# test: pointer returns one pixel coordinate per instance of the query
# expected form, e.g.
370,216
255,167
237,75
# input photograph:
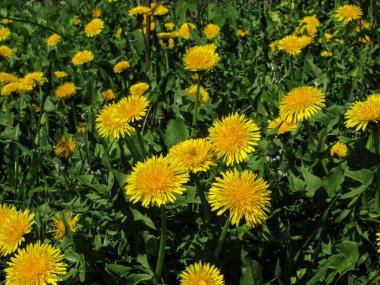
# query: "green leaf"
176,132
144,218
119,270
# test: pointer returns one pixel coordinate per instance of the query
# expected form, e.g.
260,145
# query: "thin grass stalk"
147,40
196,107
141,142
222,238
161,252
205,206
376,137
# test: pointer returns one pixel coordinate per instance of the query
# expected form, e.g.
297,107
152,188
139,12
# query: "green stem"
167,58
161,252
196,106
141,143
147,41
222,238
205,207
376,137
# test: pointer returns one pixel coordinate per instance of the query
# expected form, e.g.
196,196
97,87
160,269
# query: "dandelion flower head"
59,224
348,13
53,40
339,149
211,31
4,33
65,90
201,58
65,148
201,274
82,57
138,89
94,28
121,66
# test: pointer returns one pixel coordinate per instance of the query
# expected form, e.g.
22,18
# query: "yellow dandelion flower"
309,24
96,13
193,155
4,33
60,74
339,149
82,57
365,40
7,21
5,52
363,113
203,94
65,90
169,26
13,228
171,43
201,58
326,53
201,274
290,44
14,87
139,10
234,137
158,9
347,13
36,108
6,212
65,148
362,25
8,78
184,30
241,33
108,125
94,28
138,89
304,41
36,264
118,32
121,66
273,46
282,125
243,194
53,40
328,37
108,95
378,241
81,128
77,22
30,78
301,103
132,108
59,224
211,31
155,181
195,76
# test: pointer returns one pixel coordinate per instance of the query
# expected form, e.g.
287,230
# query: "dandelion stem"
141,142
205,207
147,40
161,252
196,106
222,238
376,136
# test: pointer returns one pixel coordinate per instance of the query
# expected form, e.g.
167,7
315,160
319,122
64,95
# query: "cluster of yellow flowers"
13,84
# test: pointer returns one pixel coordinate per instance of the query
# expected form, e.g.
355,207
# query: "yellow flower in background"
201,58
211,31
274,46
6,211
328,37
348,13
65,148
304,41
77,22
378,241
138,89
158,9
59,224
94,28
234,137
155,181
365,40
7,21
201,274
132,108
363,113
139,10
13,228
339,149
118,32
81,128
362,25
301,103
109,125
326,53
184,30
7,77
241,33
36,108
243,194
203,94
53,40
169,26
36,264
4,33
195,76
30,78
290,44
96,13
282,125
193,155
108,95
82,57
309,24
15,87
60,74
65,90
5,52
121,66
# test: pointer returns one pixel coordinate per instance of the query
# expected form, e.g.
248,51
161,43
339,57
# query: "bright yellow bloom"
7,21
362,25
339,149
81,128
108,95
158,9
301,103
169,26
184,30
243,194
234,137
241,33
304,41
139,10
203,94
118,32
96,13
121,66
201,274
193,155
82,57
65,90
15,87
326,53
5,52
273,46
378,241
309,24
6,212
37,264
15,225
211,31
194,76
201,58
59,224
290,44
363,113
138,89
155,181
365,40
328,37
94,28
77,22
7,77
282,125
53,40
36,108
30,78
347,13
65,148
132,108
60,74
4,33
